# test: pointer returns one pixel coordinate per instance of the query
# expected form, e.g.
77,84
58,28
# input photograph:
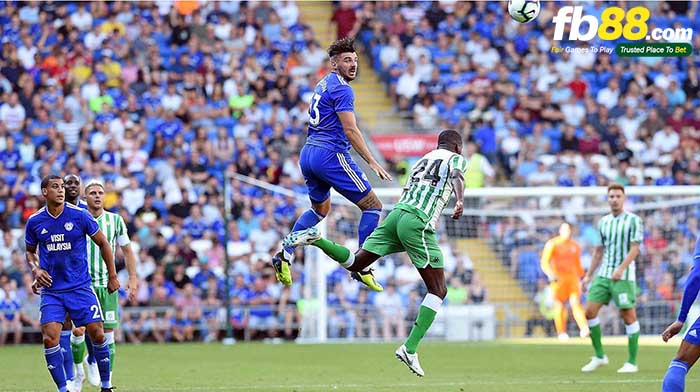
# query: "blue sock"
90,349
54,362
368,222
674,381
102,357
67,354
308,219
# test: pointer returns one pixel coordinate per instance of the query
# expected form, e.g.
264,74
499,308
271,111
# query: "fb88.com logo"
614,23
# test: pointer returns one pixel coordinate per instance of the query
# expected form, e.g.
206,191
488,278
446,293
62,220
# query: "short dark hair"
342,45
449,138
45,180
616,187
65,178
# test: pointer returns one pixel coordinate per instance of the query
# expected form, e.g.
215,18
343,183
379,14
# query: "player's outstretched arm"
358,143
457,179
106,252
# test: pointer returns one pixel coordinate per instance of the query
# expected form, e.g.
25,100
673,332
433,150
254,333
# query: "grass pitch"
518,365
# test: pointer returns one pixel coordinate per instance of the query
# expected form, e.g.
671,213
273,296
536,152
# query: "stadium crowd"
161,100
541,118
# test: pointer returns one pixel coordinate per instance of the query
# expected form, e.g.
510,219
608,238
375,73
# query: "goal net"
496,288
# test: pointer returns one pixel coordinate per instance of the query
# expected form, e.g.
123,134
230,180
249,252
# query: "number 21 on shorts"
95,311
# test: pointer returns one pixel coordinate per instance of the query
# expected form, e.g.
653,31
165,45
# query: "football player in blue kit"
55,238
325,160
689,351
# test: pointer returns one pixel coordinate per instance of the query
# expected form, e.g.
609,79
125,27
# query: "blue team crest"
68,226
364,177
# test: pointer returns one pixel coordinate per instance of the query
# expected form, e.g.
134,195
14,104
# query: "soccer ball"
523,11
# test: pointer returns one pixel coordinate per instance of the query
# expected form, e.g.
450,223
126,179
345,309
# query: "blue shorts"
324,169
692,336
81,304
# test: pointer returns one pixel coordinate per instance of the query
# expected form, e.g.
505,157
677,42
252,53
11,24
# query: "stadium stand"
159,100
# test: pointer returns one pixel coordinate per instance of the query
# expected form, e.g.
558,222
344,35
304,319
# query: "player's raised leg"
371,208
311,159
356,263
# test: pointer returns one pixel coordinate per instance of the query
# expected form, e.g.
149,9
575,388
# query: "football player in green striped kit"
114,228
621,233
410,228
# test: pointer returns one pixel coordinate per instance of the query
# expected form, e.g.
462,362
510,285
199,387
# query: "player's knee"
322,208
97,336
439,291
50,341
591,314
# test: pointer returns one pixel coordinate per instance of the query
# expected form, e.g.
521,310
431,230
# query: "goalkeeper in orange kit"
561,262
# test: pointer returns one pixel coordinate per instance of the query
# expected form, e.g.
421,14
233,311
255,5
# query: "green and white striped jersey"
114,228
617,233
428,188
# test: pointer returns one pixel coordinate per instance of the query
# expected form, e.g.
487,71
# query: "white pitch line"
341,387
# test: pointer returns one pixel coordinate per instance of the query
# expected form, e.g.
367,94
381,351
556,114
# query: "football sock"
77,346
368,222
632,341
103,362
336,252
426,315
308,219
596,337
90,349
67,354
54,362
674,380
109,337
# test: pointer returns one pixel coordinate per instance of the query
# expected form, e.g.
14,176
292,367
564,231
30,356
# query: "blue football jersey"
332,95
82,204
62,245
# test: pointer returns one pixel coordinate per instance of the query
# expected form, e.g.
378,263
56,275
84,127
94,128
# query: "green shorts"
404,231
110,307
623,292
